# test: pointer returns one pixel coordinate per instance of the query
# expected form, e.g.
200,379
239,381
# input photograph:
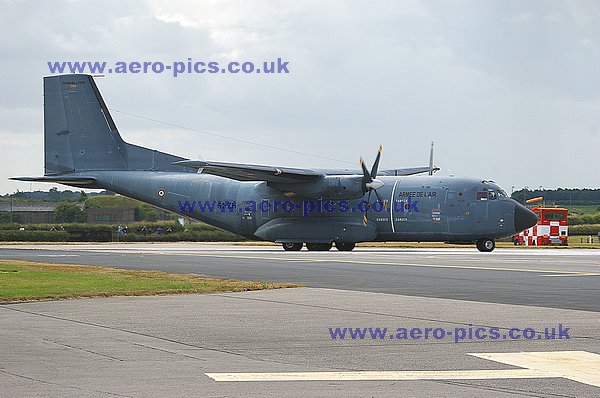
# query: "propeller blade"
380,200
376,163
371,183
366,175
367,207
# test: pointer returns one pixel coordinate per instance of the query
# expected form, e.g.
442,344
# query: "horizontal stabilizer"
252,172
76,181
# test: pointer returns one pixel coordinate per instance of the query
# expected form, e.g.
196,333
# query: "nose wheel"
486,245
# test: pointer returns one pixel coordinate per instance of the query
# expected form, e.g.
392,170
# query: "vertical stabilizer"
81,135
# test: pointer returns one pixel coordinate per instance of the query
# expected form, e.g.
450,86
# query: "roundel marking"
161,192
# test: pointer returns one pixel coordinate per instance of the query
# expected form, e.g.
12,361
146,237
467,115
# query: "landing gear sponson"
483,245
318,247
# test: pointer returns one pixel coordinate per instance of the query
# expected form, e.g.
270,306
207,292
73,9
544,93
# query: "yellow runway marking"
323,260
302,258
577,274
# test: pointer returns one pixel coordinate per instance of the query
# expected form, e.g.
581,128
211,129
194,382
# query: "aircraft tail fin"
81,135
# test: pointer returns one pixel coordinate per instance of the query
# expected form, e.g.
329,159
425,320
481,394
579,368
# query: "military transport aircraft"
291,206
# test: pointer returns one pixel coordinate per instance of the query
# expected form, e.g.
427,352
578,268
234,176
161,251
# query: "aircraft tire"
486,245
292,246
345,247
318,247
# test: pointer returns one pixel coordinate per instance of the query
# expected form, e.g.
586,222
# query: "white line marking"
580,366
382,375
392,207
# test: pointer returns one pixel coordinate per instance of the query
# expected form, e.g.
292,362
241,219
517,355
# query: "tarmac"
279,342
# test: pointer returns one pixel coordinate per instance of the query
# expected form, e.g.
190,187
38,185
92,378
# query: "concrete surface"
165,346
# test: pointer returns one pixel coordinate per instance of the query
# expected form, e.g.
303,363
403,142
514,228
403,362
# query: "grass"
583,209
24,281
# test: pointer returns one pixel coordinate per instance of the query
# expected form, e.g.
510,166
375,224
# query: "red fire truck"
552,227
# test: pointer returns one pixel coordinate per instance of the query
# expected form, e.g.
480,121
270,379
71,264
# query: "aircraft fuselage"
417,208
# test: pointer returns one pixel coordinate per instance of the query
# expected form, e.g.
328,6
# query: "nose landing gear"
486,245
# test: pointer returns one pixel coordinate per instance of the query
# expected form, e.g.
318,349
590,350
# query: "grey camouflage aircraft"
291,206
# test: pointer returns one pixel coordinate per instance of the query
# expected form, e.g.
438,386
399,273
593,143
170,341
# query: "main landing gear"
485,245
292,246
318,247
345,247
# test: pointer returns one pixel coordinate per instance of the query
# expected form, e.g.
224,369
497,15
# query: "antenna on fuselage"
431,160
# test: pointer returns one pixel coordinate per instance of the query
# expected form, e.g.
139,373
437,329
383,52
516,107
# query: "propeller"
370,182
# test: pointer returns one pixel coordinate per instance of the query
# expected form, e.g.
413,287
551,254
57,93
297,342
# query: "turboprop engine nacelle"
328,187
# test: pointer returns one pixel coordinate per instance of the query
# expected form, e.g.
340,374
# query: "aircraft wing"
253,172
407,171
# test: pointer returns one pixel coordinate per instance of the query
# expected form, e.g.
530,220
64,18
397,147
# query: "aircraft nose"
524,218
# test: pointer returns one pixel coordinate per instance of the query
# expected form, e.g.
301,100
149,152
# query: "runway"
280,343
556,278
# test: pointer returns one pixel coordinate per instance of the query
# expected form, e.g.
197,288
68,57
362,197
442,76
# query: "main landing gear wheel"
486,245
345,247
318,247
292,246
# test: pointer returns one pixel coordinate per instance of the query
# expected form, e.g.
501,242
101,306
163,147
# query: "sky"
508,90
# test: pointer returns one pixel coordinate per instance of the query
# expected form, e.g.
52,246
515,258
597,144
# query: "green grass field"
583,209
23,280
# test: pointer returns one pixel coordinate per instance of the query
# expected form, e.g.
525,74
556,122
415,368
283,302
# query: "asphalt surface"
192,345
558,278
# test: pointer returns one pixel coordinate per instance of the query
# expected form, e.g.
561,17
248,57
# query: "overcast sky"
508,90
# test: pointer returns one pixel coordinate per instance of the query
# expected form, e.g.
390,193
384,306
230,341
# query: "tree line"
560,196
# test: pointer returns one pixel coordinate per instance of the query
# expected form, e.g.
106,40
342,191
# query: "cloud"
496,84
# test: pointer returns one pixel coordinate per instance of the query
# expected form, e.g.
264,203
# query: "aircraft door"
479,210
264,209
457,213
248,222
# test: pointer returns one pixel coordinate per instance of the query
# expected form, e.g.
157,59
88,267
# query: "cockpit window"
491,194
